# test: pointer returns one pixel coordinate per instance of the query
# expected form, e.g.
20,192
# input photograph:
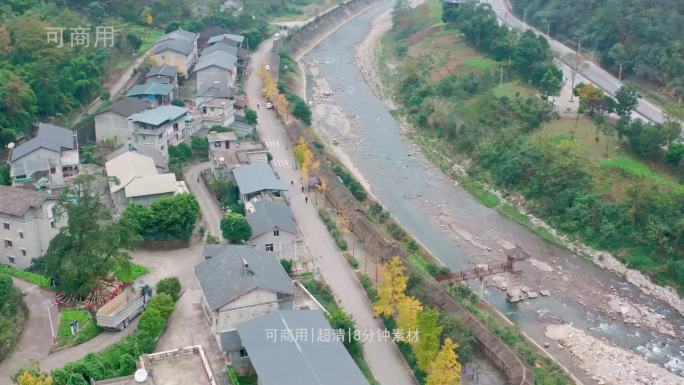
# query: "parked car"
269,105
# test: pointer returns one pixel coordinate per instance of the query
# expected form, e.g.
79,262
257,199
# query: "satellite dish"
10,145
140,375
221,159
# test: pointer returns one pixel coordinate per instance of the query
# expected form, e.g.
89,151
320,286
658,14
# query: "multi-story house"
27,224
112,122
159,127
52,154
177,48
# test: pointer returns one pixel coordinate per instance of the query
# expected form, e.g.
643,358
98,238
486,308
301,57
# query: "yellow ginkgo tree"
445,369
28,377
392,288
408,310
305,158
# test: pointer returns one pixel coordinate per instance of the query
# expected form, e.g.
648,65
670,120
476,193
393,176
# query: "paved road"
36,340
593,72
209,209
384,359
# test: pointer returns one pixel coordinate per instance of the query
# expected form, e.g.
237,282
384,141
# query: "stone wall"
302,39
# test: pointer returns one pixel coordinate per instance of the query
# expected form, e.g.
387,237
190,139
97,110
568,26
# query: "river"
459,231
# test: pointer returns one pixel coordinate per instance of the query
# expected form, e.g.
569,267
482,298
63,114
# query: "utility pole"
548,28
525,17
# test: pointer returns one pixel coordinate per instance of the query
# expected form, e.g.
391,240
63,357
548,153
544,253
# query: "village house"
137,180
221,141
215,104
166,74
257,181
240,283
49,160
159,127
112,123
158,158
274,229
28,224
293,347
227,38
177,48
156,94
216,67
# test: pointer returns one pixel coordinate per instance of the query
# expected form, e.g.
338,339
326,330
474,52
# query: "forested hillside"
647,34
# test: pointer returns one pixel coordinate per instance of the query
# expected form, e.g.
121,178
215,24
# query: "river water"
419,195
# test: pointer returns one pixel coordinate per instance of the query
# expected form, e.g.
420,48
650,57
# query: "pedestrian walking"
306,199
197,179
257,106
292,182
302,188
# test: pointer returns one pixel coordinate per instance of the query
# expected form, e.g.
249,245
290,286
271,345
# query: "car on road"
118,313
268,67
269,105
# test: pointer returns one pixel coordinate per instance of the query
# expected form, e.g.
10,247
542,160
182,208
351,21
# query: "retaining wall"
304,38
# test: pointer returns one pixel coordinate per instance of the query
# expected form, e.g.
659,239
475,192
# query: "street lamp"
548,28
48,304
620,65
525,17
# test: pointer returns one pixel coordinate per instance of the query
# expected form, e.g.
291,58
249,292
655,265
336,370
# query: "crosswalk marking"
272,144
280,162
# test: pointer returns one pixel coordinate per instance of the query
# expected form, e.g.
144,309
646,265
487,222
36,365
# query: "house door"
227,143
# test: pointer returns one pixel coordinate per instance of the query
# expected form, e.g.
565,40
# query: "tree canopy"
235,228
167,218
91,245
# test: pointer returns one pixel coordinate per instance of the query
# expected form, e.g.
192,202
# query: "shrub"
395,231
353,262
170,286
287,265
34,278
367,286
200,147
178,103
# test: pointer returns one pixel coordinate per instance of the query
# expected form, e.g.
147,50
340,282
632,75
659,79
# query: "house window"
276,233
217,144
23,252
8,243
6,226
175,126
21,235
243,353
11,260
161,135
269,247
53,224
52,170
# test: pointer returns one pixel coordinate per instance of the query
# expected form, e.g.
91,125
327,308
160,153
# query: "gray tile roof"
179,34
17,201
165,70
177,45
268,216
223,278
217,58
222,47
159,115
310,360
257,177
127,107
156,155
150,88
49,136
226,36
214,90
242,129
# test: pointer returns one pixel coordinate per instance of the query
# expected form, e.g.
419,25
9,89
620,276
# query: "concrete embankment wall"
304,38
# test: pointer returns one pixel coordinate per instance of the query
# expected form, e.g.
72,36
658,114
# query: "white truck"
120,311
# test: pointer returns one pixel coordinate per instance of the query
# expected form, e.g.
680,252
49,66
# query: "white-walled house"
112,122
27,224
137,180
240,283
159,127
274,229
52,154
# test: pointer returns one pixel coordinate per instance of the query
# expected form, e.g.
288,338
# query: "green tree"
235,228
200,147
169,217
18,105
134,41
250,116
528,52
427,346
5,178
287,265
170,286
91,245
178,103
674,154
627,100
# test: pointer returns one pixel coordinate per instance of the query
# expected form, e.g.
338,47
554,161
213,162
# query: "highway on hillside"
591,71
